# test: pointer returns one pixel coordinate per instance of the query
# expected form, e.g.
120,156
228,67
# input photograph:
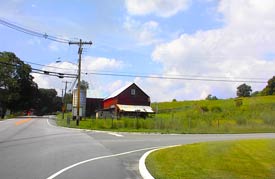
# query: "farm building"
93,105
127,101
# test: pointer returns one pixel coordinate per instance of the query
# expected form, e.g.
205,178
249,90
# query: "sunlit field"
253,115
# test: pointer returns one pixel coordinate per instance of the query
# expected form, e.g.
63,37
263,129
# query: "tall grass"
256,114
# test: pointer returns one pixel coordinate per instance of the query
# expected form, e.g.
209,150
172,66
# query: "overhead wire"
182,77
33,33
171,77
44,72
178,78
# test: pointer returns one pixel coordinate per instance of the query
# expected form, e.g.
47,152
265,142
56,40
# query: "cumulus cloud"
101,64
145,33
237,50
162,8
89,64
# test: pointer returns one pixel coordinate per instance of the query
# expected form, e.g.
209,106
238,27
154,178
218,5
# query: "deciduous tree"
16,83
270,87
244,90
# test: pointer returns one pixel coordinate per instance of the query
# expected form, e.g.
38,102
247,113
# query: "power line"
44,72
54,67
201,78
32,32
179,78
55,75
110,73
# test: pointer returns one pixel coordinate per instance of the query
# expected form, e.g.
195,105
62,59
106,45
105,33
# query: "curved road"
33,148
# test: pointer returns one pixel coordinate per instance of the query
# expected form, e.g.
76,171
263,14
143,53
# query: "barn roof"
117,92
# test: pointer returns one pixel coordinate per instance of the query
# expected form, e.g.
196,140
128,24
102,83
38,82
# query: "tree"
16,83
210,97
84,85
270,87
47,102
244,90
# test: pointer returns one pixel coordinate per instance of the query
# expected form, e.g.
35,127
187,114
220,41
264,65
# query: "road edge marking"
142,167
105,132
96,158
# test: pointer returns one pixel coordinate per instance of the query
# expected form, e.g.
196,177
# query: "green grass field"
256,114
244,159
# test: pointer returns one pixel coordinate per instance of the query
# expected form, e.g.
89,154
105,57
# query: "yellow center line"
23,121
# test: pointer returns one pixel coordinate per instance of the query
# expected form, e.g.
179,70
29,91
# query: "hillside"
255,114
248,115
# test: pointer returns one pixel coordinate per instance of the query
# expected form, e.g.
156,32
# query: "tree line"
18,91
245,90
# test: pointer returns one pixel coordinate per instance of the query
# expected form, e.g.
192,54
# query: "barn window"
133,91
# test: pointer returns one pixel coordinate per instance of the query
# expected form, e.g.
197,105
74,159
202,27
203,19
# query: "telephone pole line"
80,49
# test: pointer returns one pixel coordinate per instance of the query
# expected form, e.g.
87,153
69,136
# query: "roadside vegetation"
247,159
244,115
19,94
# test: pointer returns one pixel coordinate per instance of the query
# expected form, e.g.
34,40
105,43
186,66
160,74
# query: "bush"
204,109
216,109
238,102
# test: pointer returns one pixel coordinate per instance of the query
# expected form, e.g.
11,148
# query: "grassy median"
243,159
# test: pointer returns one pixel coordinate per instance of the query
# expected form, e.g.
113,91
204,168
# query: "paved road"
32,148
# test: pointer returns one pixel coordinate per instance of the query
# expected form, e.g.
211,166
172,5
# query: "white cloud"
89,64
101,64
237,50
145,33
162,8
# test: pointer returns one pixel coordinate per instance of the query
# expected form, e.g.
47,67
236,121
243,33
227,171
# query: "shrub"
204,109
239,102
216,109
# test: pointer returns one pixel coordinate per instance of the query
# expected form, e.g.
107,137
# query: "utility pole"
80,43
64,107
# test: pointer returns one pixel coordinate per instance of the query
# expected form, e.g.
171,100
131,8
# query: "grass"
255,115
244,159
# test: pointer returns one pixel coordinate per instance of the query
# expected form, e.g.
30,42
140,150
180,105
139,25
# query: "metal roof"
134,108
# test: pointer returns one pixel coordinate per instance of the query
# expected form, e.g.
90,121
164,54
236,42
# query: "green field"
244,159
256,114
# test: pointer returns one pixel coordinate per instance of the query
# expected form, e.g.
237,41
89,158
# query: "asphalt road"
33,148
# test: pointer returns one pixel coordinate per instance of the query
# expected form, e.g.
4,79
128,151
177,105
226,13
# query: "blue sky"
225,39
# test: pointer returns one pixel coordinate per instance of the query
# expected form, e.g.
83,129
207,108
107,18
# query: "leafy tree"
84,85
47,102
16,83
244,90
270,87
210,97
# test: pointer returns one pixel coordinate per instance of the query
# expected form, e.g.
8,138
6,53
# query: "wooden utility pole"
64,107
80,43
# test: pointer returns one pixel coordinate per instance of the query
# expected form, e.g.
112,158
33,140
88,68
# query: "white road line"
110,133
142,167
50,123
8,120
115,134
97,158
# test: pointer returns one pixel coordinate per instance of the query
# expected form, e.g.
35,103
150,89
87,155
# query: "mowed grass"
243,159
255,115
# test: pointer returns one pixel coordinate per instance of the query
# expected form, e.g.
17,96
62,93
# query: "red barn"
129,100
